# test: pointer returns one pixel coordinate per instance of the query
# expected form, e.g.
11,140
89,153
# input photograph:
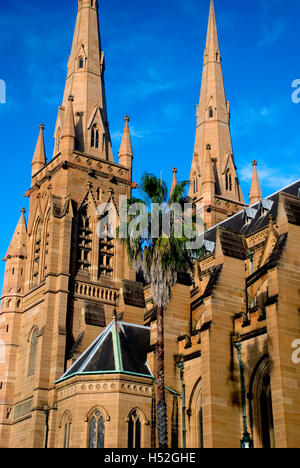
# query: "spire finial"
126,153
174,181
39,157
212,41
255,192
17,247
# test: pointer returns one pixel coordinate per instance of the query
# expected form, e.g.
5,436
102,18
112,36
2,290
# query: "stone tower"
85,81
213,176
62,282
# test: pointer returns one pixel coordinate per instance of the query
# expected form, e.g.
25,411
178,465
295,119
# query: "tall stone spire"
85,81
255,192
39,157
213,126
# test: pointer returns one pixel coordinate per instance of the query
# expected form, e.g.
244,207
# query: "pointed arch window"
228,181
46,248
106,248
33,351
84,246
95,136
58,140
37,253
134,430
196,411
211,113
80,63
260,390
66,427
195,183
97,430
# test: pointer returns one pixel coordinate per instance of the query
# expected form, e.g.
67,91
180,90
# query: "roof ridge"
250,206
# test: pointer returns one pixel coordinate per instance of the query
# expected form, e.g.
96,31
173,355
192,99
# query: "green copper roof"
120,349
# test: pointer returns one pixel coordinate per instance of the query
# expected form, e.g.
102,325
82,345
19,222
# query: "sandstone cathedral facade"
73,374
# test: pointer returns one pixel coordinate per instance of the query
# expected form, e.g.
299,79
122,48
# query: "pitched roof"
121,349
269,206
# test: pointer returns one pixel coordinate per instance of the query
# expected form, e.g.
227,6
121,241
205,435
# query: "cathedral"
77,327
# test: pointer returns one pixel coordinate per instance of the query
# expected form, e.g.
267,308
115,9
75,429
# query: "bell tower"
85,82
213,176
63,281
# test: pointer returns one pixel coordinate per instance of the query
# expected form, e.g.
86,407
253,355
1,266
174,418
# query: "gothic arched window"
37,253
106,249
96,430
228,181
195,183
58,140
211,113
80,62
263,410
46,247
134,430
84,246
33,339
66,427
95,136
196,413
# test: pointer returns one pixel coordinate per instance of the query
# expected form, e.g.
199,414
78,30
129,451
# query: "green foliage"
163,256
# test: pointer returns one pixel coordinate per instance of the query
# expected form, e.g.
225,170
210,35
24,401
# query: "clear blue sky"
154,56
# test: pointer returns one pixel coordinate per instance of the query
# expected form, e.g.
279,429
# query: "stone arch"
65,426
261,409
36,250
137,422
195,413
101,409
66,415
33,341
97,419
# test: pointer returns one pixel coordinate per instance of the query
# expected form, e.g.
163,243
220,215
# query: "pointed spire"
85,81
17,247
174,181
39,157
213,124
255,192
68,133
212,52
125,153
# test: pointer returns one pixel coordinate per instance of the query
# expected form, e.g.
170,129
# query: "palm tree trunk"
161,395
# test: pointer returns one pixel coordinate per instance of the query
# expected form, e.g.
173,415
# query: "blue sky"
154,56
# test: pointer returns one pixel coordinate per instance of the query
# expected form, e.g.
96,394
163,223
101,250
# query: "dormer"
265,206
249,214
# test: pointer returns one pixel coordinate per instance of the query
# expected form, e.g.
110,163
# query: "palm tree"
160,259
